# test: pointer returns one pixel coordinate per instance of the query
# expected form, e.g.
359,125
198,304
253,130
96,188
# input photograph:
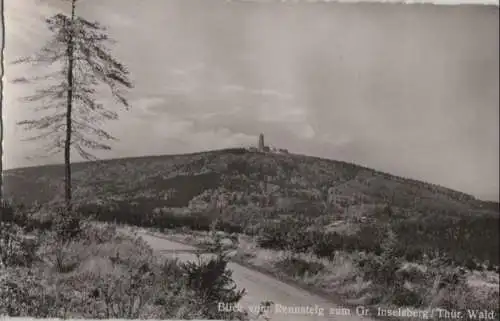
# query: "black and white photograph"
251,160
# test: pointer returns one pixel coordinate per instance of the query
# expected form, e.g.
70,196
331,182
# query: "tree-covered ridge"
306,178
252,192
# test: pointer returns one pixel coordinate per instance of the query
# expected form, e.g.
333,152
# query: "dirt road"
289,303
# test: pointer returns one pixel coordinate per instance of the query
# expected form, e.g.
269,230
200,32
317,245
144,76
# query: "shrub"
99,234
125,288
228,227
209,283
406,297
193,221
299,267
6,212
16,248
378,269
63,256
25,292
327,244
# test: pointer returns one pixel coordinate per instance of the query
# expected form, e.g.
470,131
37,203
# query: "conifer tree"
72,115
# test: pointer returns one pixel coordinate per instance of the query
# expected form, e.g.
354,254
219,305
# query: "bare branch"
84,154
24,80
43,123
86,127
52,135
50,105
87,143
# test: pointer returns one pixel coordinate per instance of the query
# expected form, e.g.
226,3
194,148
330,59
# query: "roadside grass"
101,272
357,278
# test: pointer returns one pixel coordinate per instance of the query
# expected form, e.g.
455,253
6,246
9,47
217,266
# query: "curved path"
260,287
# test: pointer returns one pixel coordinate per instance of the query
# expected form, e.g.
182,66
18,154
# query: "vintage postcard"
283,160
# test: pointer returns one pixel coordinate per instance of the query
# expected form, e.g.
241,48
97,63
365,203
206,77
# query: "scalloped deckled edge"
2,318
434,2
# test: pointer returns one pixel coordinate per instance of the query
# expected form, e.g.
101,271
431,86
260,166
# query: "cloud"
144,104
215,104
258,92
411,90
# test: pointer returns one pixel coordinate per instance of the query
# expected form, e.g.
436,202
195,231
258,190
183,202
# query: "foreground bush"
28,292
209,282
101,273
297,267
16,248
432,284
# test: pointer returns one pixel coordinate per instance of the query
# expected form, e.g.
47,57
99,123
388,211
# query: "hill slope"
300,177
254,190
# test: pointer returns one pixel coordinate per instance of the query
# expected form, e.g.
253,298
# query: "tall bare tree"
78,48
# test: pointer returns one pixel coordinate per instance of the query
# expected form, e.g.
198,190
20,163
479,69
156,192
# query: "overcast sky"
408,89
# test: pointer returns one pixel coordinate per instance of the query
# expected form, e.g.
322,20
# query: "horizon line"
476,197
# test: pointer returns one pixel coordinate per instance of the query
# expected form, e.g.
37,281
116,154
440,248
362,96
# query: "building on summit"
261,145
262,148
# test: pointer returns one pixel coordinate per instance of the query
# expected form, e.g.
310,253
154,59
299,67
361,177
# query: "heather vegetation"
69,268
